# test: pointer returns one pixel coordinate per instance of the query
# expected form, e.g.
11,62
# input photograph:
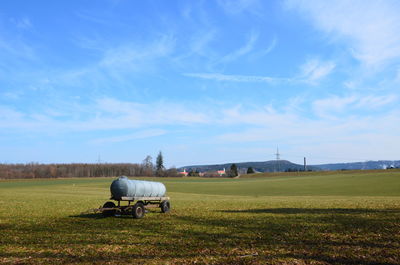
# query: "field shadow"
222,237
309,235
88,215
312,211
100,215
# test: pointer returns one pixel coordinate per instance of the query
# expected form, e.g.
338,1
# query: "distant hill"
266,166
380,164
284,165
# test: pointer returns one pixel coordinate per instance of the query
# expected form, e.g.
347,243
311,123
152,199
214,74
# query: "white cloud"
128,137
247,48
265,125
373,102
370,28
397,78
200,42
352,137
234,78
311,72
9,114
263,116
116,64
335,105
12,95
314,70
95,18
132,56
270,47
103,114
324,107
12,49
235,7
22,23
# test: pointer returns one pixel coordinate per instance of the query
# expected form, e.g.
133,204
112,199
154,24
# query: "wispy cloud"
16,49
156,113
94,18
116,64
397,78
335,105
311,72
325,107
199,43
103,114
247,48
128,137
370,28
374,102
314,70
235,7
22,23
234,78
12,95
317,138
346,139
129,75
130,56
268,49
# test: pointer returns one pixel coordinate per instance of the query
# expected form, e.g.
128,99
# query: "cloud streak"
247,48
362,137
103,114
235,78
235,7
333,106
314,70
311,72
370,28
129,137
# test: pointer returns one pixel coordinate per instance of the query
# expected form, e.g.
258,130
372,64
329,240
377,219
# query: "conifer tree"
160,164
250,170
234,171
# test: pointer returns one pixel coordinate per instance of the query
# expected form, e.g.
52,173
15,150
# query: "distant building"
184,173
221,172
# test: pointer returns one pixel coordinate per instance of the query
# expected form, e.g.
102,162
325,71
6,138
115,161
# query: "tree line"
78,170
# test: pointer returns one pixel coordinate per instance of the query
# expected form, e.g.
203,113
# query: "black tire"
108,213
165,206
138,210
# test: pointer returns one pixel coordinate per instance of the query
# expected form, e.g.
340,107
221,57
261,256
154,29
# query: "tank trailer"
146,194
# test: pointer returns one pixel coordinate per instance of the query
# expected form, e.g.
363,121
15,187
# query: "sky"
204,82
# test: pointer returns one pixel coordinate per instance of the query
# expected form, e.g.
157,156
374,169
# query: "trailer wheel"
165,206
138,210
108,213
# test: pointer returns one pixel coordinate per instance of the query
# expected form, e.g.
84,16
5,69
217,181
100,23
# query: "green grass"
308,218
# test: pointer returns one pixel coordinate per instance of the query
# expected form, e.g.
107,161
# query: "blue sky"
203,81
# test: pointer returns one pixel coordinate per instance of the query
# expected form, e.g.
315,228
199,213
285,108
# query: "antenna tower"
278,157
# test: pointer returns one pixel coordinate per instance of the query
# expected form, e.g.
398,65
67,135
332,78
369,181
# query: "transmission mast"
278,158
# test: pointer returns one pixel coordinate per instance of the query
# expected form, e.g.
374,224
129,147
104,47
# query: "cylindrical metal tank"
124,187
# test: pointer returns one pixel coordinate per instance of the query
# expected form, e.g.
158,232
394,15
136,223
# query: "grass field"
291,218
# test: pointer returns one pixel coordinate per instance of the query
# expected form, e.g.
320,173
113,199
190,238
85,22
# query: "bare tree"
148,166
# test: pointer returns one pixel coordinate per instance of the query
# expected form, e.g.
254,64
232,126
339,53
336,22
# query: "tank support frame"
145,202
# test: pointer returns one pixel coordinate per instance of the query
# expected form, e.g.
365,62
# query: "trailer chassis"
136,206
